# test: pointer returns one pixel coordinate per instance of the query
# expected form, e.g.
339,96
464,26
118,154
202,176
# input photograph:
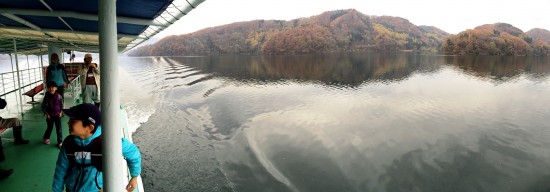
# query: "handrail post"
13,76
18,76
29,69
34,72
41,71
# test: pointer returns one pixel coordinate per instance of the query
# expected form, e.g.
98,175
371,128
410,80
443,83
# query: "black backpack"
94,147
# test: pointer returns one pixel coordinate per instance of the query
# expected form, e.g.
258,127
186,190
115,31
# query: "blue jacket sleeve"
133,157
61,169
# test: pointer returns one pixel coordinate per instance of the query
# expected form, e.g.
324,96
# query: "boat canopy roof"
73,24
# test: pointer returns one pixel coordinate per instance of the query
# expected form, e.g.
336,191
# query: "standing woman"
89,78
56,73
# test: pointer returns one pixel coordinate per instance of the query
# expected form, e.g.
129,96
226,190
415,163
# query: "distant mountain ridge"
348,31
538,33
331,31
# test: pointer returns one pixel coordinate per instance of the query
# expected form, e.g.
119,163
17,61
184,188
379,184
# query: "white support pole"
35,76
3,85
41,70
28,69
18,79
113,178
41,58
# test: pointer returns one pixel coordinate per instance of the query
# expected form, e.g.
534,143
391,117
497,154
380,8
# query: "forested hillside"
497,39
332,31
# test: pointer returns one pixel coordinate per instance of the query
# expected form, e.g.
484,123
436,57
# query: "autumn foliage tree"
310,39
331,31
494,39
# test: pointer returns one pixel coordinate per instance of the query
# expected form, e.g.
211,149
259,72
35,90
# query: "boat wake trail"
265,162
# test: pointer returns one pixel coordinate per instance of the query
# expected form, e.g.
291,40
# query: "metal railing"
29,79
75,88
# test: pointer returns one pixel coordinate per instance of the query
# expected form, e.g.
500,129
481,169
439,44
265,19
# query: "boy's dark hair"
51,84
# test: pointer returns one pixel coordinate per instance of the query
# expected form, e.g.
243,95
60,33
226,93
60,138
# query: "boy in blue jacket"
79,162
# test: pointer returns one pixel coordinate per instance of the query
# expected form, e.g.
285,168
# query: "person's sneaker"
5,173
21,142
59,145
47,141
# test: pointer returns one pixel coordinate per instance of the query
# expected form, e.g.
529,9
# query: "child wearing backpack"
52,106
79,162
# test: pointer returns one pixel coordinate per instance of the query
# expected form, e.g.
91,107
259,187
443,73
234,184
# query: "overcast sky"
450,16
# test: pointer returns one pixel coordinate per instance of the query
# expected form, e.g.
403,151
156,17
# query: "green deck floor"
33,163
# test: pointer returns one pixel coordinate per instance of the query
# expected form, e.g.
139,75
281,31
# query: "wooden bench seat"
31,93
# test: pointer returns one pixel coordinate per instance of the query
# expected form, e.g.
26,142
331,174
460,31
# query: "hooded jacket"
52,104
56,73
85,177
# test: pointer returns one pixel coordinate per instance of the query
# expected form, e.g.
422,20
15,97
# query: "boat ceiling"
73,24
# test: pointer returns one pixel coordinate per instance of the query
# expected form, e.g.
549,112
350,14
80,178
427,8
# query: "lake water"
368,122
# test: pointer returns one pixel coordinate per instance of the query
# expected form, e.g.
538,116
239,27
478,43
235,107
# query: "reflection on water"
339,70
372,122
502,69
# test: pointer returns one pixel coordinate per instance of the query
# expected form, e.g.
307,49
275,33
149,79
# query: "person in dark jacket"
17,129
52,106
56,73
